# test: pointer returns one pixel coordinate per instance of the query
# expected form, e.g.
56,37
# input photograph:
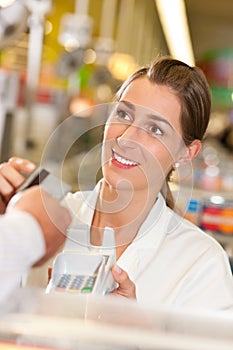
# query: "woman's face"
142,137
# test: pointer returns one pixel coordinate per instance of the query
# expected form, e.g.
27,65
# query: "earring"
176,165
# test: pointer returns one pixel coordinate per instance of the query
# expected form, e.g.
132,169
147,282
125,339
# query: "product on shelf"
217,218
214,214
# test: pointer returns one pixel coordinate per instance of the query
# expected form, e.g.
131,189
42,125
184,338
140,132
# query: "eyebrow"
150,115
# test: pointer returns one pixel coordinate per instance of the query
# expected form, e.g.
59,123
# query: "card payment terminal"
84,268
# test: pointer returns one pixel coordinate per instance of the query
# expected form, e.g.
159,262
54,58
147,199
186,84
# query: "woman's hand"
126,287
11,178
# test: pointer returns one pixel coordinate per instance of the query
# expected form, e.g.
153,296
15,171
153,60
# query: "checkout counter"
32,319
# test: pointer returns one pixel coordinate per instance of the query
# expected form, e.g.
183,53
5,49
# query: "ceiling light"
121,65
175,26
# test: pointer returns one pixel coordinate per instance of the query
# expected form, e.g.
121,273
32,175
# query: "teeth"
123,160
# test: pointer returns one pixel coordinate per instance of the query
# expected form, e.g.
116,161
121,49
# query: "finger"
126,286
22,165
6,189
11,175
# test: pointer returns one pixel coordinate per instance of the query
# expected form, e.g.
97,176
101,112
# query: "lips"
122,162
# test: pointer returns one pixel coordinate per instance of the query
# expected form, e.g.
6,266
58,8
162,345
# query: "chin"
119,183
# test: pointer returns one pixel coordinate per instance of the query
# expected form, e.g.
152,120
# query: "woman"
158,121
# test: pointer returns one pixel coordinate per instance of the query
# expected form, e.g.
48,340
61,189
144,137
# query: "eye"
121,114
155,130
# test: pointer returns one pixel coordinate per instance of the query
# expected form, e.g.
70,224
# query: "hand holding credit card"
50,183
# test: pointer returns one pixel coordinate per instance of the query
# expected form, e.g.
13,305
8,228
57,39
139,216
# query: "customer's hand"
51,216
11,178
126,287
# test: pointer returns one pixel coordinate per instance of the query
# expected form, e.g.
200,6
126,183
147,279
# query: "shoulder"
192,236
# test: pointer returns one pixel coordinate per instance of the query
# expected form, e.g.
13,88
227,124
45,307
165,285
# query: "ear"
190,152
194,149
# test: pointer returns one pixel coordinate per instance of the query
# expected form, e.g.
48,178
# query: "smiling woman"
159,118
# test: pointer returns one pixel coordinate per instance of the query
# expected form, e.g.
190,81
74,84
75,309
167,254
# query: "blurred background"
58,58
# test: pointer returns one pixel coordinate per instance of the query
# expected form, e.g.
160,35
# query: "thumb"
126,286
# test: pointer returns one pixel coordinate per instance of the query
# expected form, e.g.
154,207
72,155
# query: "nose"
129,137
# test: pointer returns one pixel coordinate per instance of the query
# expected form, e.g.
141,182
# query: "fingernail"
19,161
117,269
30,166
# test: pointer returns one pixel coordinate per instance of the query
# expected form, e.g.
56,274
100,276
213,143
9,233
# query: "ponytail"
167,193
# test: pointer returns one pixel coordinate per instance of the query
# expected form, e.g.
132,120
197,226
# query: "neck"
123,210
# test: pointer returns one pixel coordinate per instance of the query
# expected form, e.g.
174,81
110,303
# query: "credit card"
50,183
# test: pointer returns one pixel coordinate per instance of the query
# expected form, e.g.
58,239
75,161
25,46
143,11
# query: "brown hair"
191,87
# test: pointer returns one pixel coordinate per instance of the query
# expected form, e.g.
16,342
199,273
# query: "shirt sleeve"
21,245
